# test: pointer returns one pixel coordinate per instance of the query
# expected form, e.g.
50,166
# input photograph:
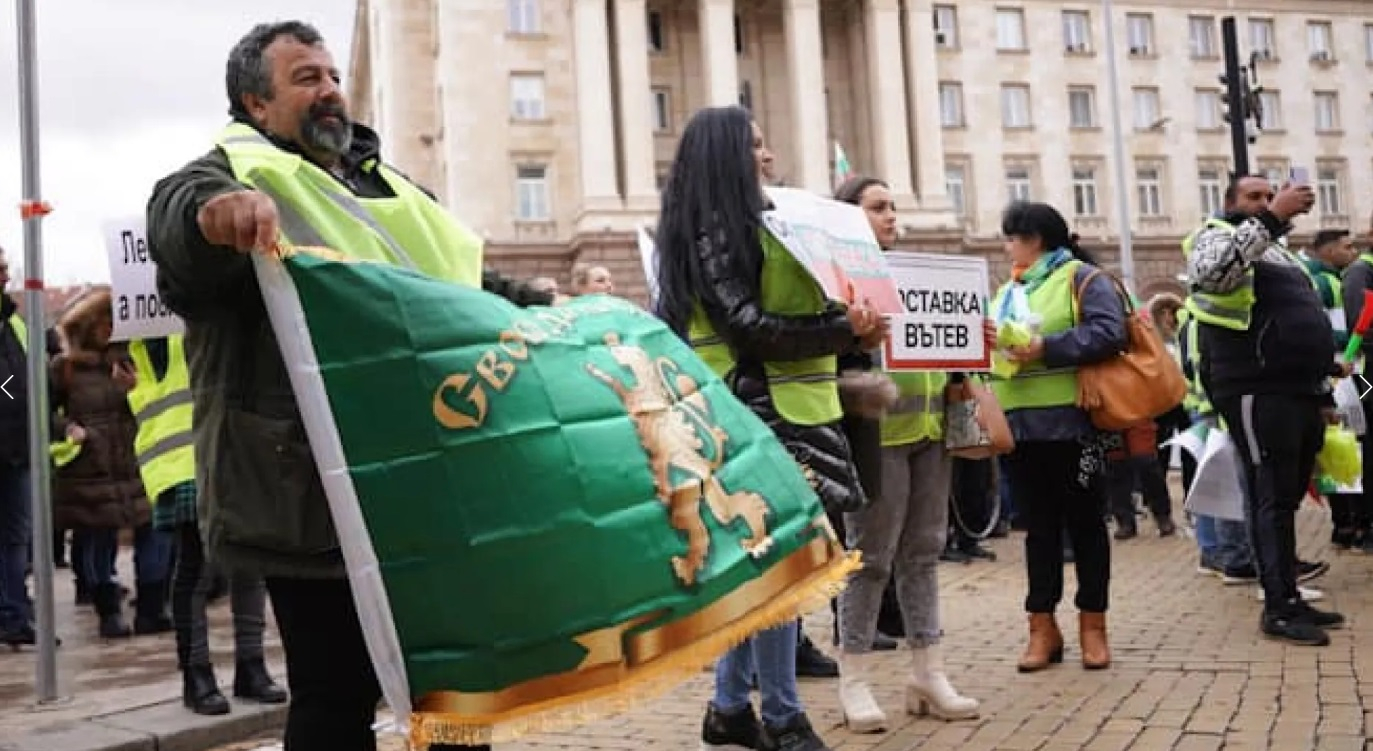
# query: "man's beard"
323,137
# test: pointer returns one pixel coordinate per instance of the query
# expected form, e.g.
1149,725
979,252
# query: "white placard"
138,312
648,256
943,306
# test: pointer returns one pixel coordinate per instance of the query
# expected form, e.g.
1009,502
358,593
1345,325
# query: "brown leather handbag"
1135,386
975,426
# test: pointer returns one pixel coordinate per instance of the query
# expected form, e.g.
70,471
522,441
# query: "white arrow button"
6,383
1367,387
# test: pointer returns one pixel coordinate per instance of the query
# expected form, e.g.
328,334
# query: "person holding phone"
1267,356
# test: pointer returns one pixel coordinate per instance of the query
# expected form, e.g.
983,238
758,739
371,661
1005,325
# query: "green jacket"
239,381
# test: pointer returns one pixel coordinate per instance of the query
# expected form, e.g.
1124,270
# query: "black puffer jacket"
755,336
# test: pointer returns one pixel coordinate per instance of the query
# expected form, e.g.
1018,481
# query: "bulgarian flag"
547,514
842,169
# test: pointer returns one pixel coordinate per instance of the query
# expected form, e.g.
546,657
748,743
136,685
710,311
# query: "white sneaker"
1308,594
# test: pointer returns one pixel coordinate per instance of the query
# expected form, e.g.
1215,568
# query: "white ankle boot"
861,712
929,691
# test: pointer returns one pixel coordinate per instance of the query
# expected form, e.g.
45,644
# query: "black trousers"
1123,475
334,690
1277,437
1057,486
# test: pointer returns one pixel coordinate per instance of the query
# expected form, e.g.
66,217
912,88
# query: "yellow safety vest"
65,451
1232,310
21,331
166,453
1196,401
1035,386
409,230
918,414
805,392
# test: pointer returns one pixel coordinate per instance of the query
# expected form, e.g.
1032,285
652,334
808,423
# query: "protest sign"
943,304
138,312
648,256
834,241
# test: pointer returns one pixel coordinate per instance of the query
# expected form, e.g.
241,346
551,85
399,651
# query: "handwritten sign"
834,241
943,305
138,313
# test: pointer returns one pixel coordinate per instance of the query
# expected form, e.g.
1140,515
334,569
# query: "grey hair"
248,70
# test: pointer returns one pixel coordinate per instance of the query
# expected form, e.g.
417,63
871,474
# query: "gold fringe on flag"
623,671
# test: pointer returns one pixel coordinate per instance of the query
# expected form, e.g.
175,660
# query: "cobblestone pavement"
1191,671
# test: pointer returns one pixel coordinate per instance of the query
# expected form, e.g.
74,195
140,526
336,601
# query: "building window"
1201,36
946,27
1010,29
746,96
1139,34
1328,190
1077,31
1262,39
531,193
1084,191
1146,108
1212,191
661,176
522,16
1081,107
1149,186
955,183
1208,109
1368,43
1015,106
1327,111
657,41
738,35
951,105
1276,173
527,96
1319,41
1270,110
662,110
1019,183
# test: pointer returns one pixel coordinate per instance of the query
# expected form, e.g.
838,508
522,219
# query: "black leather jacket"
755,336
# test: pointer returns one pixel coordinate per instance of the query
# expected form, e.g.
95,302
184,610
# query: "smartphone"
1301,176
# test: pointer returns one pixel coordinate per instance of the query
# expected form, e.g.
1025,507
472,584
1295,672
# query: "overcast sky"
129,91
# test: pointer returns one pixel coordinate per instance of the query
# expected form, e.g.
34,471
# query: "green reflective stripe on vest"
1034,386
21,331
918,414
409,229
164,444
1232,310
804,392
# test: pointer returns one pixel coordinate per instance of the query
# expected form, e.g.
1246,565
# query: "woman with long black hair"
1056,470
758,319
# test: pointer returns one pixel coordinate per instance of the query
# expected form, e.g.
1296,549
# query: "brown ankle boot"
1046,644
1096,654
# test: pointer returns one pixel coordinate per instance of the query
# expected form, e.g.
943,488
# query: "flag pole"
32,210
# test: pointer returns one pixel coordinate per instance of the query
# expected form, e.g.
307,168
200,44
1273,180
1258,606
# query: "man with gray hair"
292,163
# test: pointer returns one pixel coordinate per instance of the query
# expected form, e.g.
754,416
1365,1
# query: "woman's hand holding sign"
869,326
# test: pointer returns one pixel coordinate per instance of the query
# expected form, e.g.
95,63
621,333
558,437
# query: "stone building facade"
548,125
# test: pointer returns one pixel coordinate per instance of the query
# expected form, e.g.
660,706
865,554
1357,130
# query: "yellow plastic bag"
1009,334
1340,458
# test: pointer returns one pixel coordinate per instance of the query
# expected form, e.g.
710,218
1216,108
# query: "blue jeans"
773,652
1225,542
16,530
152,555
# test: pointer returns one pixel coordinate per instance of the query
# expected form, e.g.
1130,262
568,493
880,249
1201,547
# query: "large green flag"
546,513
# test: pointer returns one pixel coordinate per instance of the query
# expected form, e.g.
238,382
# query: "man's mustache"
321,111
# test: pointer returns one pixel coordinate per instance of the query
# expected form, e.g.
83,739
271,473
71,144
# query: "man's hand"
124,375
1292,201
874,339
1346,368
76,433
244,220
1028,353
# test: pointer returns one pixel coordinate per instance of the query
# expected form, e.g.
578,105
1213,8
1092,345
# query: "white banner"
138,313
648,256
943,306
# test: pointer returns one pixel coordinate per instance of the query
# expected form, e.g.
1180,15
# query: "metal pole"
46,679
1234,95
1127,249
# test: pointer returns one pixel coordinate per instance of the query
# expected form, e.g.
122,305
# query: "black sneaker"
1295,628
1245,574
1321,618
1308,570
1209,567
1126,533
812,663
739,731
974,550
797,735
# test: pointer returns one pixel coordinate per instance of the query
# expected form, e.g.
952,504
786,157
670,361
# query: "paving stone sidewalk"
1191,674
